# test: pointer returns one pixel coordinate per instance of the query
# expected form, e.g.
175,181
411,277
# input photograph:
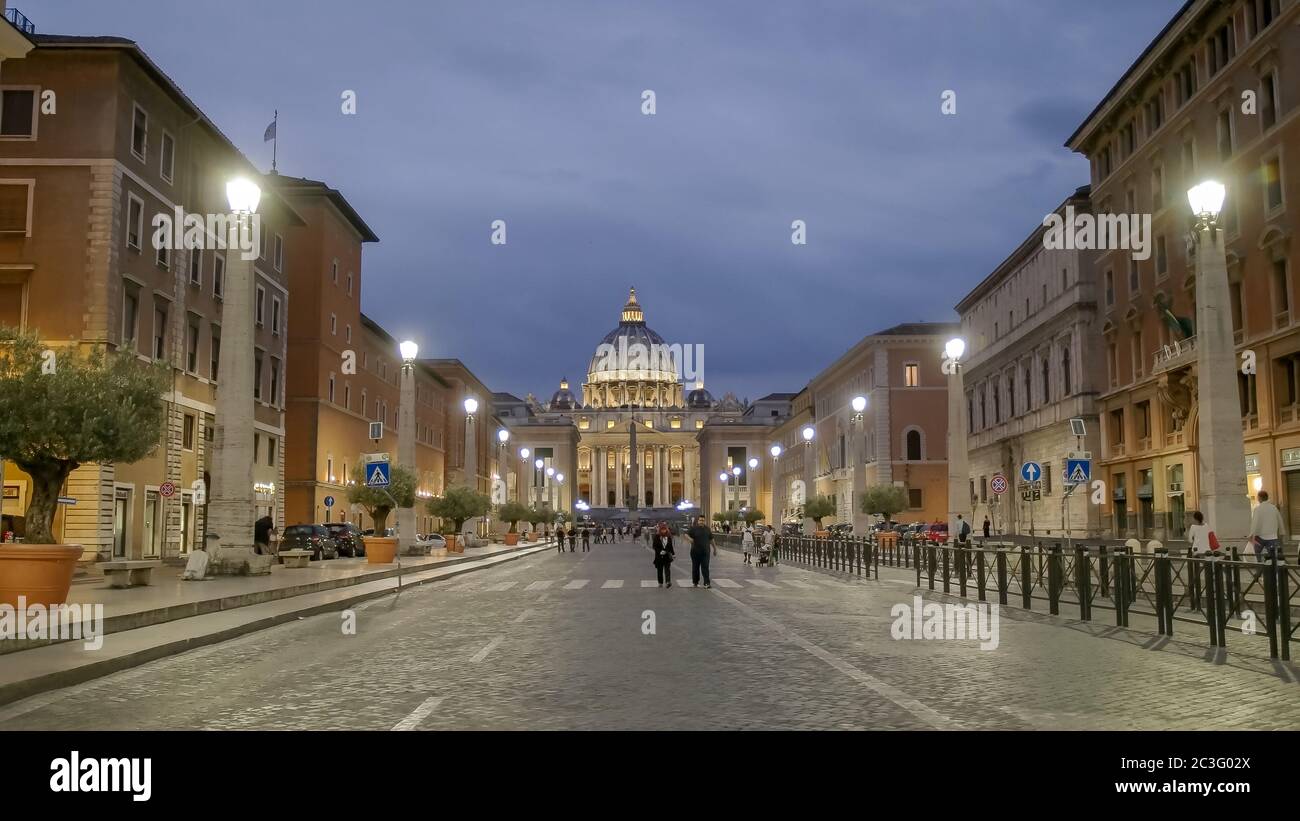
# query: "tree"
752,515
378,502
565,516
459,504
818,508
884,500
513,513
719,517
540,515
62,409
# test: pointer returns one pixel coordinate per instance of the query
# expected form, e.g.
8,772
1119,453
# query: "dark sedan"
310,537
347,537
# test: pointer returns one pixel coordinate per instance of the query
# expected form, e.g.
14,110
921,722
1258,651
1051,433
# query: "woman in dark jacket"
662,544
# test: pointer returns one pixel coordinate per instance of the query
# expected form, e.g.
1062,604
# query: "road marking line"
612,583
760,582
649,583
419,714
881,688
523,615
830,583
497,588
726,583
539,585
900,581
482,654
577,584
797,583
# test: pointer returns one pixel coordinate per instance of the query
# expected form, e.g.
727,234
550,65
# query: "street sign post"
1078,471
378,474
329,501
999,484
167,490
1031,471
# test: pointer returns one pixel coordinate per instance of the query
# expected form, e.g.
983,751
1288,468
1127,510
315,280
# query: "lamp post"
749,482
519,480
559,492
471,450
503,436
406,439
230,503
778,500
735,489
809,474
958,472
857,436
1222,467
550,489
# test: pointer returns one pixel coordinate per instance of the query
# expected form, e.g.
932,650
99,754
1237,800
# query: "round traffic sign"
329,501
166,489
1031,471
999,483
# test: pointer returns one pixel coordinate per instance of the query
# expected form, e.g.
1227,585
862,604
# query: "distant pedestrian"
662,545
701,539
559,538
963,530
586,539
263,529
648,534
1203,541
769,545
1266,528
573,539
988,527
747,543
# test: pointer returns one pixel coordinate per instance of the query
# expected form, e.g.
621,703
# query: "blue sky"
767,112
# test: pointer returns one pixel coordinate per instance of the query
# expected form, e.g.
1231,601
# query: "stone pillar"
231,506
688,475
471,459
861,521
1222,467
958,471
809,482
661,464
636,468
406,452
618,477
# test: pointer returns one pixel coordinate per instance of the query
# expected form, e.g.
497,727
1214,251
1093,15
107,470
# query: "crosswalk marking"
539,585
760,582
649,583
497,588
577,584
612,583
797,583
831,582
726,583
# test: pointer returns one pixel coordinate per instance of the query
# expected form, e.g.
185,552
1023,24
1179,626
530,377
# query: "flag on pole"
270,132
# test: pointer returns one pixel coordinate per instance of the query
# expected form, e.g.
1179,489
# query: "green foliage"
564,516
885,500
719,517
375,501
512,513
459,504
93,406
540,515
752,515
818,508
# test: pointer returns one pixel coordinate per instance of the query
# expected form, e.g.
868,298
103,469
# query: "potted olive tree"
458,505
752,516
818,508
59,410
379,502
512,513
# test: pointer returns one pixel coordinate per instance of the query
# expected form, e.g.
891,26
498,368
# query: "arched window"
913,445
1047,385
1065,370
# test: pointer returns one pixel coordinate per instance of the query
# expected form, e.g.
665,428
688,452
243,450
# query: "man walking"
701,538
1266,529
988,527
586,539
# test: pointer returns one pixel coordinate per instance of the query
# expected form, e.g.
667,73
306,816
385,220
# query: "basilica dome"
632,365
563,399
699,399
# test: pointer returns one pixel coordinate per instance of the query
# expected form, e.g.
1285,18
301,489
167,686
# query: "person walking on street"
586,539
769,544
747,543
662,545
1266,528
648,535
559,538
988,527
1199,535
963,530
701,539
573,538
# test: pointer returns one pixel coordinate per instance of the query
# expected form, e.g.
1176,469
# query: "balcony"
20,21
1177,355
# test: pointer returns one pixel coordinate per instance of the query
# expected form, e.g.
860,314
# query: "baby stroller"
764,555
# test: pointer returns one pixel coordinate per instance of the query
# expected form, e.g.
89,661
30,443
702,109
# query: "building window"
257,446
1103,164
140,133
347,332
1155,113
1047,389
1134,281
1188,160
1268,101
18,112
1272,184
1224,124
279,252
331,388
912,375
1185,81
1260,13
699,424
259,307
1065,371
1162,258
1238,313
275,381
349,283
1281,294
187,433
130,314
1220,48
1110,288
216,352
1142,421
1047,478
1157,188
1139,356
275,316
1117,430
218,276
160,330
1127,140
334,325
270,451
264,242
163,256
168,157
257,376
913,443
334,272
192,344
134,221
347,395
914,498
196,266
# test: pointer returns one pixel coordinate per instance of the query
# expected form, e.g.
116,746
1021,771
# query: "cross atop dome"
632,310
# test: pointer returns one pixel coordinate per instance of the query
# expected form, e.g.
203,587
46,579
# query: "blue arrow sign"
1031,471
377,474
329,501
1078,471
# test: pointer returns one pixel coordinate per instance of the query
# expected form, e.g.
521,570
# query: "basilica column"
688,474
598,477
662,495
618,477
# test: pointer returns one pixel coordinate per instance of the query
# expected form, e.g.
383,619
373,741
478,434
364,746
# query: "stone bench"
125,573
296,558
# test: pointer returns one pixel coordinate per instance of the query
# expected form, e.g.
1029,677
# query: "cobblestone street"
556,642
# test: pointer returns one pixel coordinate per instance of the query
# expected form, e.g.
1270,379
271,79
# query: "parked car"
841,530
347,538
937,532
315,538
436,541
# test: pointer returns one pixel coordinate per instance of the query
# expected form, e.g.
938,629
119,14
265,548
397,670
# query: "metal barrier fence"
1206,591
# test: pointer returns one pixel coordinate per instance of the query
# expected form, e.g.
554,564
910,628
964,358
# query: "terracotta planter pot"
42,573
512,539
822,534
380,549
453,543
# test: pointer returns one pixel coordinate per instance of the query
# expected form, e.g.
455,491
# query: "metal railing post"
1001,559
980,575
1083,582
1026,577
1054,581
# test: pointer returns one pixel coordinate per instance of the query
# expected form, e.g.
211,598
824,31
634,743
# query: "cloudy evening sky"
768,112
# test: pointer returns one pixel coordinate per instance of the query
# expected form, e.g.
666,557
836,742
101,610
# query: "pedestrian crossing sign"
377,474
1078,471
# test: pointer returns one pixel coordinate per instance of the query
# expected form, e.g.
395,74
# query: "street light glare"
523,453
808,433
409,350
538,464
1207,198
735,471
243,194
776,451
550,471
559,477
859,404
503,436
753,463
471,405
955,348
724,477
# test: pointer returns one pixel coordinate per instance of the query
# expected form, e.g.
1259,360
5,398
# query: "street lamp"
503,436
958,470
735,492
559,490
809,474
1222,470
778,502
406,438
231,507
856,437
471,448
519,480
